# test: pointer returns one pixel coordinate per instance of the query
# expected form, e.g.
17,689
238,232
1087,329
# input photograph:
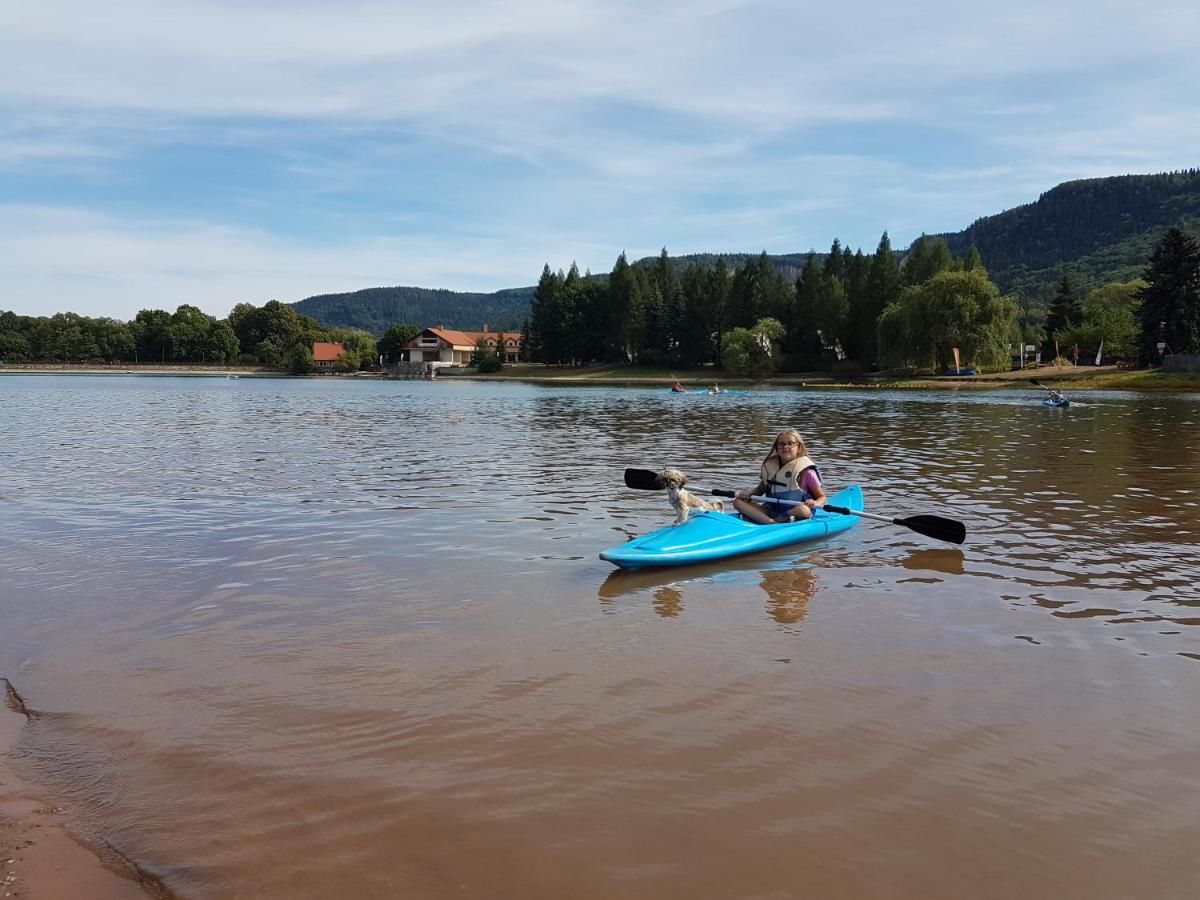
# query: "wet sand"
39,860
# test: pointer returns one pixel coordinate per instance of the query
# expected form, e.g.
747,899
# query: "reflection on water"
788,592
789,585
948,560
335,637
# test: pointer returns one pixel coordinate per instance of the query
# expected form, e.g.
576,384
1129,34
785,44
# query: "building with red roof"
451,347
325,355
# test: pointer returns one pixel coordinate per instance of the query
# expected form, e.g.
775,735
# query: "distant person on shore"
786,474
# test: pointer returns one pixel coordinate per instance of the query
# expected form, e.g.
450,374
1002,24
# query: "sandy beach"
39,859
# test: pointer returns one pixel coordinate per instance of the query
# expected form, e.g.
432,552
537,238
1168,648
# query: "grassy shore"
1063,377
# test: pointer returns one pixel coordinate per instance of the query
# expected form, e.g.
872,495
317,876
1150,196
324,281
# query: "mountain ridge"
1096,230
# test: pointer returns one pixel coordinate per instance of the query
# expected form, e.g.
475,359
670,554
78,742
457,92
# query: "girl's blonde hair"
787,432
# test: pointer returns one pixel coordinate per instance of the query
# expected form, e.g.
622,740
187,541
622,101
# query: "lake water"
349,638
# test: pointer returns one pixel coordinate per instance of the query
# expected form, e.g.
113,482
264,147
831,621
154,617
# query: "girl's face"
788,447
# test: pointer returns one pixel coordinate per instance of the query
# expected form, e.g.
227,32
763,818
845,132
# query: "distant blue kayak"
710,536
1050,401
706,392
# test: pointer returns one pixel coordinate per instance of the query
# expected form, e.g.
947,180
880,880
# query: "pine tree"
973,260
883,289
835,262
1065,312
926,258
622,324
801,328
857,267
1170,310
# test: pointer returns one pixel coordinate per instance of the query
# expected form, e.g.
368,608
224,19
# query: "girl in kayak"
787,473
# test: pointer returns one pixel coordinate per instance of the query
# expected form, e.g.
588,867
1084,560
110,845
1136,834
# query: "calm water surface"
340,638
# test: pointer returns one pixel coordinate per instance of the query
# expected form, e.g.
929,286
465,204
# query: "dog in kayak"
684,501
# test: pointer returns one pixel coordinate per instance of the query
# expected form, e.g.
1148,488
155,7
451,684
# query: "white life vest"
784,480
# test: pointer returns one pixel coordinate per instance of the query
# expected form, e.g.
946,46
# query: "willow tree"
752,351
1109,318
951,309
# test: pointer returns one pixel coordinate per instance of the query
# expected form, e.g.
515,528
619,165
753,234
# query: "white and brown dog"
684,501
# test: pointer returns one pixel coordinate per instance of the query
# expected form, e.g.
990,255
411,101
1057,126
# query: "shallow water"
312,638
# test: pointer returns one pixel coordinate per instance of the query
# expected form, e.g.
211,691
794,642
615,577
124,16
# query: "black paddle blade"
936,527
643,480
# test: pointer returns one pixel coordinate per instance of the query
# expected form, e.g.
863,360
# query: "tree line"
273,335
850,312
845,311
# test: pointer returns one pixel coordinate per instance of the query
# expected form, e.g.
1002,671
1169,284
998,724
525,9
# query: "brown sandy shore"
39,858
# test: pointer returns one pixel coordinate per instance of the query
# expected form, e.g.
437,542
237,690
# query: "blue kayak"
1050,401
709,536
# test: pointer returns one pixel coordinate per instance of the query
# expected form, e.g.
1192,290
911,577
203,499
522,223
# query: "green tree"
753,351
705,289
391,345
1170,300
298,360
1065,313
359,344
155,342
857,268
268,333
14,347
951,309
836,262
221,344
973,260
926,258
623,321
668,308
549,314
883,288
595,340
189,328
1109,316
485,358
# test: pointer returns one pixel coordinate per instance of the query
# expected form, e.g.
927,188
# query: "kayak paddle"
937,527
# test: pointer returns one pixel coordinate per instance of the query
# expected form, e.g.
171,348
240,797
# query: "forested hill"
377,309
1097,230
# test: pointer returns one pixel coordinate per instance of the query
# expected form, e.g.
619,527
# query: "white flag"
1099,351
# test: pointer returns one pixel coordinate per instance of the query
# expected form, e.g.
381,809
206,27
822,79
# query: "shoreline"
1074,378
102,369
39,857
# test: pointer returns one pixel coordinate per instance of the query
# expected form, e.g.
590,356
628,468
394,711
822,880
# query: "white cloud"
101,266
528,132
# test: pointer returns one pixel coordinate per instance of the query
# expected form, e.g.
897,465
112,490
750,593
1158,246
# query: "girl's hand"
743,495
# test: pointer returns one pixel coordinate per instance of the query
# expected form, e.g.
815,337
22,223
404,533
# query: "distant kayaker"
678,388
787,474
1057,396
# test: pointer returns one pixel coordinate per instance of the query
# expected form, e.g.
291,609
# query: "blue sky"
158,152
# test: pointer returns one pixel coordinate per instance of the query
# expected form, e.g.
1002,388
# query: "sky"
159,152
